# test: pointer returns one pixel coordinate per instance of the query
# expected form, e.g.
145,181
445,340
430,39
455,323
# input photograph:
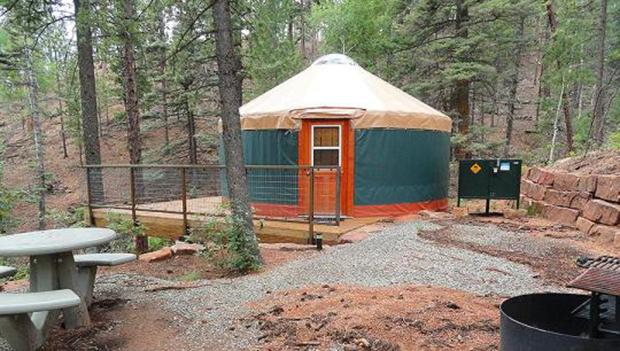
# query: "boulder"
605,234
566,182
460,212
526,187
608,188
159,255
181,248
537,192
541,176
559,198
511,213
602,212
562,215
584,225
587,183
580,200
533,205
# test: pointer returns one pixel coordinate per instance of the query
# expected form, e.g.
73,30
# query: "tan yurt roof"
334,86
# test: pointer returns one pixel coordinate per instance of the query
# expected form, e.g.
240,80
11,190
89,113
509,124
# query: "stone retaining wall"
590,203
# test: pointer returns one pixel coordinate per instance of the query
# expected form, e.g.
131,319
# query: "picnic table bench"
59,281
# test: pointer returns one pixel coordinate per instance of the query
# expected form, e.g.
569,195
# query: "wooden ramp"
170,225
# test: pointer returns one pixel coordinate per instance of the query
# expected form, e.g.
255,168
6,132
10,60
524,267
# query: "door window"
326,145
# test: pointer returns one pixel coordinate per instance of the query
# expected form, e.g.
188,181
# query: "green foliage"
157,243
226,245
272,54
126,230
614,141
72,218
8,200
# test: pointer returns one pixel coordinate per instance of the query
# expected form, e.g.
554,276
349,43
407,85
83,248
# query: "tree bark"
565,99
63,138
130,87
132,108
162,71
514,83
88,96
229,67
460,98
598,112
37,134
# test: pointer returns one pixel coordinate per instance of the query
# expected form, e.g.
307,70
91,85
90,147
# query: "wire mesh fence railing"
294,193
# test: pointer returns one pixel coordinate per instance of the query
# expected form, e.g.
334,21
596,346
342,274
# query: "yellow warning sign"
475,168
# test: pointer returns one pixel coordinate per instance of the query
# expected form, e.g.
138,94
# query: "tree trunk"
131,91
63,138
191,131
88,97
565,100
162,71
229,67
460,98
37,134
131,107
598,112
514,83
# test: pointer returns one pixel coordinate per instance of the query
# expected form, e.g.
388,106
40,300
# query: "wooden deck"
170,225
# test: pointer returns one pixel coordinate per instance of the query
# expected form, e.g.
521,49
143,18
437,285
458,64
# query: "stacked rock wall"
590,203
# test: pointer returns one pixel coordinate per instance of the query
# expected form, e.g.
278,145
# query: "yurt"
392,150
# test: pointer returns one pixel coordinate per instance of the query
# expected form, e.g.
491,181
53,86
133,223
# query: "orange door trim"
346,157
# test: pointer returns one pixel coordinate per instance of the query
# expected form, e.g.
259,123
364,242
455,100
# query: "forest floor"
428,282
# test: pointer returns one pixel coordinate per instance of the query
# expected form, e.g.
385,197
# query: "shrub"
227,245
126,230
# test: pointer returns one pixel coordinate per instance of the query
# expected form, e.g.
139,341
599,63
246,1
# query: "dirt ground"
556,265
355,318
383,319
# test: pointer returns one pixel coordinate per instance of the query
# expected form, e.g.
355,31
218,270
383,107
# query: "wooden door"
326,144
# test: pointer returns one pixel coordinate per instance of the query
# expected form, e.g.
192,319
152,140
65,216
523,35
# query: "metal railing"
293,193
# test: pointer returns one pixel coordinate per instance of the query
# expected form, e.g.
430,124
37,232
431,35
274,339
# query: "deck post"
184,200
338,195
311,207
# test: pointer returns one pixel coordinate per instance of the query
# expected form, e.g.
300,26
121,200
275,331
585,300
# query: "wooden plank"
170,226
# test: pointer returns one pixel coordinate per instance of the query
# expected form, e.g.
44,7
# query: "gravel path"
395,255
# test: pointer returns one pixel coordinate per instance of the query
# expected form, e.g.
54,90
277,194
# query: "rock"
566,181
511,213
460,212
159,255
584,225
541,176
181,248
559,198
562,215
608,187
579,202
605,234
533,205
587,183
602,212
353,237
536,191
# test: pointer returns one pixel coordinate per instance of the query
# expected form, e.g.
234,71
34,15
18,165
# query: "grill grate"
602,275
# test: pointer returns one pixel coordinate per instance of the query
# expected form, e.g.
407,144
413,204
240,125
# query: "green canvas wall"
400,166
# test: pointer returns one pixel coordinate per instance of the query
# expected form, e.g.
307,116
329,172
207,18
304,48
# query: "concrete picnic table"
52,266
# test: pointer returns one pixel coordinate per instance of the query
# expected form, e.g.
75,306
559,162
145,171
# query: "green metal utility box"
489,179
